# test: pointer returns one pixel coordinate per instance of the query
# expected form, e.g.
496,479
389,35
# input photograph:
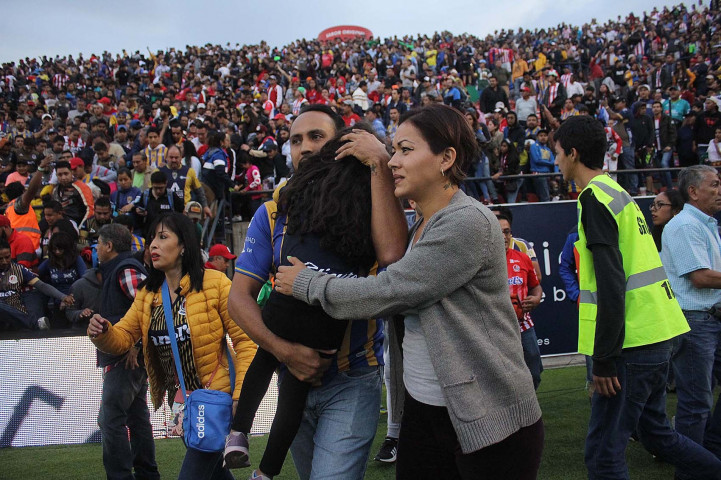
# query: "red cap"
105,101
4,221
76,162
219,250
279,116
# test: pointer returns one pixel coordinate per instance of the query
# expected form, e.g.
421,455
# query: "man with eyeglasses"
691,254
526,293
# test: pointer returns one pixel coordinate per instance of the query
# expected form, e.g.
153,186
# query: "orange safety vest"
27,224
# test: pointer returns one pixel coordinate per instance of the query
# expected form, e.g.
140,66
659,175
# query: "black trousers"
428,448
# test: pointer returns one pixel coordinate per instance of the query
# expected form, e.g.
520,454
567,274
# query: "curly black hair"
332,199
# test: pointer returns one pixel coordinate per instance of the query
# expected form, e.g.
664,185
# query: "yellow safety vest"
652,313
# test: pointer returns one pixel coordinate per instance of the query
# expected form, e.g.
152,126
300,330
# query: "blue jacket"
542,158
567,269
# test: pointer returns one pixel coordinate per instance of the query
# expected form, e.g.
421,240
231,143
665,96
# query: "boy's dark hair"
587,136
102,202
158,177
503,217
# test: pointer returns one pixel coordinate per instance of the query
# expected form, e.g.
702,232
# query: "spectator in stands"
525,106
675,106
21,246
19,209
431,146
541,159
75,197
183,179
628,328
155,152
492,95
176,262
707,122
141,171
122,199
692,259
215,166
509,164
156,201
103,216
219,258
61,269
87,297
342,450
21,294
664,140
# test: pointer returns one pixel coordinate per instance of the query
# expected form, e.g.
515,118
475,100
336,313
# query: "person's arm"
243,347
119,338
48,290
602,239
449,243
705,278
36,182
251,272
389,228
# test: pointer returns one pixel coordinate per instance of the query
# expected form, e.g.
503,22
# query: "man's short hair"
692,177
587,136
102,202
158,177
118,235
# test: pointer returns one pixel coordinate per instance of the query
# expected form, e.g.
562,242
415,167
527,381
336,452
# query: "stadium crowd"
144,141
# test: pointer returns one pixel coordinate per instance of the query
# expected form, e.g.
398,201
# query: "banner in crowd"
344,32
51,394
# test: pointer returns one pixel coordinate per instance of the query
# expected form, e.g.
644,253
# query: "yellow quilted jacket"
208,321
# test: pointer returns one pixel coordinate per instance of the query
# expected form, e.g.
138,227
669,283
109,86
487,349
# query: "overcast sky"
50,27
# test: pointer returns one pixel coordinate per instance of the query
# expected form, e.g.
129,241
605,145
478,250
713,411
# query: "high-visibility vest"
27,223
652,313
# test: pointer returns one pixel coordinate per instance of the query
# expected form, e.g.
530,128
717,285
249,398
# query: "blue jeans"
663,160
512,187
627,161
338,427
124,404
641,406
693,365
483,169
33,301
532,355
199,465
540,185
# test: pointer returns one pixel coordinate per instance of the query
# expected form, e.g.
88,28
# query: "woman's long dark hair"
676,200
192,263
67,243
332,199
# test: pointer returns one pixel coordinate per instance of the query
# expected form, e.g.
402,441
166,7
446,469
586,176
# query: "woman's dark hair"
192,261
676,200
442,127
587,136
189,150
332,199
65,241
215,138
124,171
67,226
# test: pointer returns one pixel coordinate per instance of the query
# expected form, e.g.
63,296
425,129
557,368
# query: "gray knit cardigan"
456,277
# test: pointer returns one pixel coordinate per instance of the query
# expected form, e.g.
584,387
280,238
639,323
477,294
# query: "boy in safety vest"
628,315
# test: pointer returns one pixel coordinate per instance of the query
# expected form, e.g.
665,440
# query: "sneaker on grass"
236,450
388,451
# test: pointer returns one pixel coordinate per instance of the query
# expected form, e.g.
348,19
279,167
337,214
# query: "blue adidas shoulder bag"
208,413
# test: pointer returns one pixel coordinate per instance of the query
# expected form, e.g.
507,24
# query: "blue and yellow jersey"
362,345
138,243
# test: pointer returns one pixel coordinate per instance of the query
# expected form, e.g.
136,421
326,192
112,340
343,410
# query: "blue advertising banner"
546,226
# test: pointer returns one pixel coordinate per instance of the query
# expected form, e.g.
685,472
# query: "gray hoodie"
86,292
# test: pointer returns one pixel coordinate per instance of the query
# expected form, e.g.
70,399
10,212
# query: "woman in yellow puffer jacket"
199,300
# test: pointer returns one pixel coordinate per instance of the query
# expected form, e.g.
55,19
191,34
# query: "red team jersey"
521,277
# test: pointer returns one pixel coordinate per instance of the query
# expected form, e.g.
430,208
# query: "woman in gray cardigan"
458,380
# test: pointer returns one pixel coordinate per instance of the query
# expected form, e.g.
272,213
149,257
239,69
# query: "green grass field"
565,413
